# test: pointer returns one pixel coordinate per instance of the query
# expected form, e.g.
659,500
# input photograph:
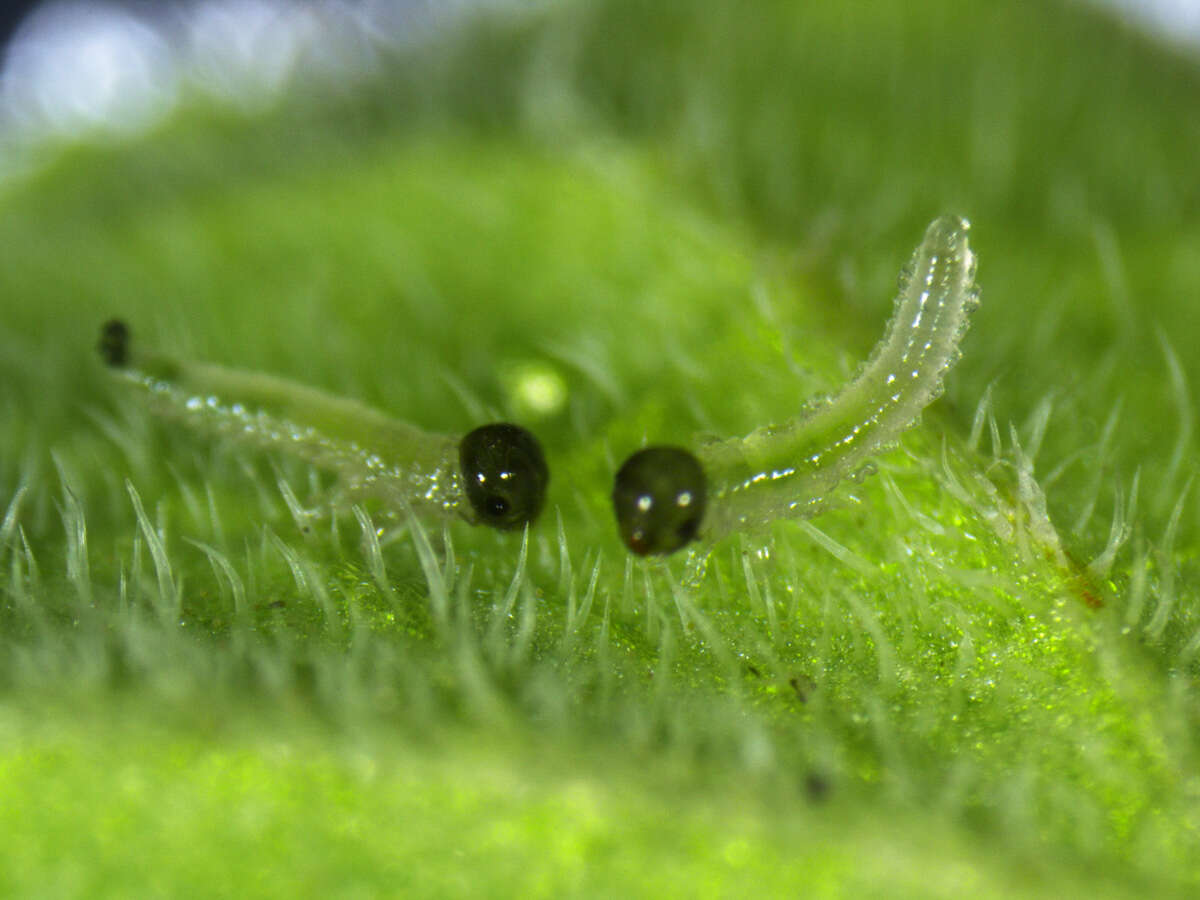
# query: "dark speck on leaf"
114,343
817,787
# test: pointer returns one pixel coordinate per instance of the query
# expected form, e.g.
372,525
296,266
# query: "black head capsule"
659,497
504,473
114,343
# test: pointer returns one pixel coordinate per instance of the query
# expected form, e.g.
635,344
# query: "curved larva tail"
789,469
937,295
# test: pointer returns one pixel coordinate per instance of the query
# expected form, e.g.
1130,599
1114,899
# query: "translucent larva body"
495,475
789,470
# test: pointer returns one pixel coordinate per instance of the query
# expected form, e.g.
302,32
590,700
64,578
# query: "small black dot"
114,343
504,474
659,496
817,786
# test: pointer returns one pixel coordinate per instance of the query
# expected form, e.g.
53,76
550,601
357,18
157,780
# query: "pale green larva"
665,496
495,475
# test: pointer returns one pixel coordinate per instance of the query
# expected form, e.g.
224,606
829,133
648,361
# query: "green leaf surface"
619,223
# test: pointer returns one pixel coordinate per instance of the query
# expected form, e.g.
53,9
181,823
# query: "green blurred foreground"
620,223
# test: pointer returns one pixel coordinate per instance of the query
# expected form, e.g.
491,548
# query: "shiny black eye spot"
659,497
114,343
504,474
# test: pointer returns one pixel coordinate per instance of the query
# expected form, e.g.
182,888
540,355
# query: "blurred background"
72,67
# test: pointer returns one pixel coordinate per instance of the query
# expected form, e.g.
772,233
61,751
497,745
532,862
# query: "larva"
495,475
666,496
